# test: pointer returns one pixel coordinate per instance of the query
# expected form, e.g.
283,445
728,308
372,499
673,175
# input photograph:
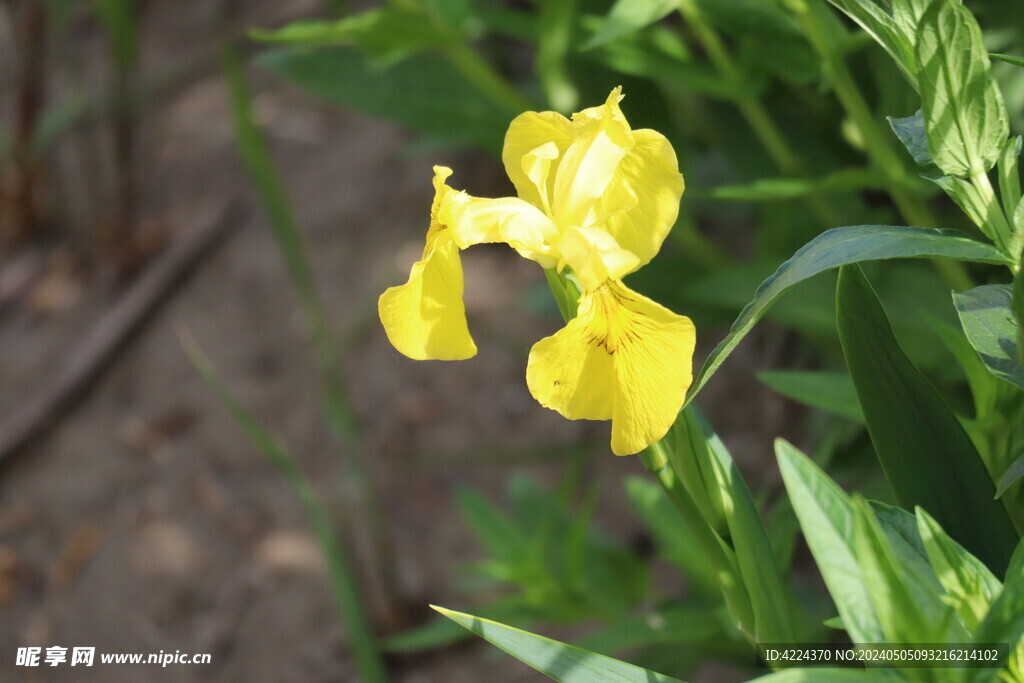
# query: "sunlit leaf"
558,660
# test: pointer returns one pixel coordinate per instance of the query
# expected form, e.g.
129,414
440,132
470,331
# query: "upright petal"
425,318
603,138
641,202
525,135
512,221
623,358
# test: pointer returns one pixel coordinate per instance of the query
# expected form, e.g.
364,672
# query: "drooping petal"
623,358
525,135
586,168
641,202
512,221
595,256
425,318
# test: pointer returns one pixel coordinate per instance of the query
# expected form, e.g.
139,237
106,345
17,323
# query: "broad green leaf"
969,584
838,247
964,114
987,318
1004,623
1011,476
874,18
1009,176
926,455
910,131
424,94
558,660
832,392
984,386
780,189
827,519
769,593
387,32
627,16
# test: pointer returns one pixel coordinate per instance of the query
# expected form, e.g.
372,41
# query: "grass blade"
346,591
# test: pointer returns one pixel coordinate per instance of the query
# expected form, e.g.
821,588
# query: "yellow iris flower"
596,198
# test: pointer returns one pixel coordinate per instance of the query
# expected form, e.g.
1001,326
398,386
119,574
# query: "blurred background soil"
144,520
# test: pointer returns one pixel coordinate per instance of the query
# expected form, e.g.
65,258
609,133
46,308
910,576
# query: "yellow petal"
623,358
513,221
603,138
425,318
525,135
642,200
595,256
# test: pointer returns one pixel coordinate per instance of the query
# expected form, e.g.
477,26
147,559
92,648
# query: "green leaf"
383,33
1011,476
838,247
910,131
1009,176
628,16
969,584
1016,569
558,660
827,519
831,392
440,632
1009,59
780,189
926,455
986,316
768,591
898,612
500,536
1004,623
1018,297
887,32
964,114
425,94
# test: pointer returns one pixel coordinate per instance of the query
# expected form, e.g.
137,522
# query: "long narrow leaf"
839,247
558,660
926,455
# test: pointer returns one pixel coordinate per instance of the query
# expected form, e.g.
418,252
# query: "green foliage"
831,392
926,455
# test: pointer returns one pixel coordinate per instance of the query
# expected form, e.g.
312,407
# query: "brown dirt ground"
146,521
